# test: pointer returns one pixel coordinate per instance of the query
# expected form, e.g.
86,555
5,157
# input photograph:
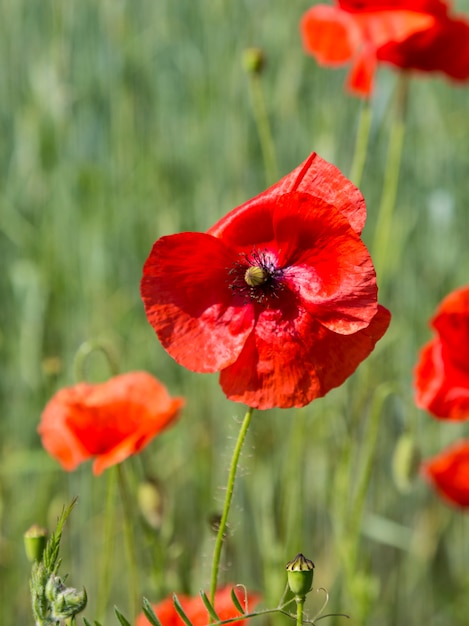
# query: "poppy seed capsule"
300,573
255,276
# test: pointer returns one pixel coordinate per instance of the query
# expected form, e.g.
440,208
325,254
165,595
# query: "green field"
123,121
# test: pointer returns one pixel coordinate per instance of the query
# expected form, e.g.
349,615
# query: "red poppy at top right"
442,373
408,34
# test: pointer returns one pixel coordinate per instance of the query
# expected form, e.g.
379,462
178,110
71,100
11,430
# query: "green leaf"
236,602
120,617
87,623
150,614
209,606
180,611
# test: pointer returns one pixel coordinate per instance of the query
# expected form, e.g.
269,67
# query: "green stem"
226,508
129,540
391,179
361,145
105,577
263,129
300,604
367,453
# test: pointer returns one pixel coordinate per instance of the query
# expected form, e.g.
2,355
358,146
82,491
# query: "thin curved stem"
109,520
226,507
263,129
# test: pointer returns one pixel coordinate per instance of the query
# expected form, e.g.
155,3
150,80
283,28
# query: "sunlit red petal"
441,387
327,265
251,222
188,301
290,362
451,321
449,473
383,26
332,36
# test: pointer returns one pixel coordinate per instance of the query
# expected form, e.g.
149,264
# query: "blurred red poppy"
449,473
280,295
409,34
442,373
195,609
107,421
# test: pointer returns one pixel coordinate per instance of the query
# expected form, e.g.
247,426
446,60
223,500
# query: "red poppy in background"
442,373
449,473
280,295
107,421
195,609
408,34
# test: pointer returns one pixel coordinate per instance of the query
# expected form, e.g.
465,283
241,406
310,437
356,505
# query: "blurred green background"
125,120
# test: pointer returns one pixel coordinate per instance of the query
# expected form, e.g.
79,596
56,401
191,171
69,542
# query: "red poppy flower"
442,373
108,421
195,609
449,473
279,296
409,34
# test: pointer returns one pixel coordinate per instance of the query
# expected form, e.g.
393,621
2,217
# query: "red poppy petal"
330,34
251,222
441,387
288,363
58,441
187,298
452,324
326,263
361,77
195,609
383,26
449,473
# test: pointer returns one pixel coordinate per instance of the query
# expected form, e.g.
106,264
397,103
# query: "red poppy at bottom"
107,421
279,296
449,473
195,609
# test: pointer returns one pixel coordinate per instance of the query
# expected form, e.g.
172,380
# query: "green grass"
125,120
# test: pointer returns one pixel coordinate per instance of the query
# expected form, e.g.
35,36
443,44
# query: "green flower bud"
151,502
64,601
300,573
254,60
35,539
405,463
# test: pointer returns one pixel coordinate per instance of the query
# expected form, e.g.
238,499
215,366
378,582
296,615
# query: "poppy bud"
300,573
35,539
254,60
151,502
405,462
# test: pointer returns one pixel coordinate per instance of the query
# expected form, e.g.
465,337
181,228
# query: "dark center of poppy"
255,276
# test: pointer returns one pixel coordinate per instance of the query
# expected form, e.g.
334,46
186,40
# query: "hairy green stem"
226,507
300,605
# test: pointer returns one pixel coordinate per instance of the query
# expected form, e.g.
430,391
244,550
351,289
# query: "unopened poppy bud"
405,462
151,502
254,60
35,539
300,573
256,275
